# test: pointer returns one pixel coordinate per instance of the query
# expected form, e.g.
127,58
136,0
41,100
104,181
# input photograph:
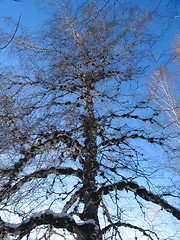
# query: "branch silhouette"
14,33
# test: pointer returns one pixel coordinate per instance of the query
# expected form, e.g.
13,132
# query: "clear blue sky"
31,16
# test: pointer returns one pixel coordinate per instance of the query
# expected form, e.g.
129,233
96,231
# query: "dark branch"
43,173
13,171
52,140
57,220
56,137
141,192
120,224
121,139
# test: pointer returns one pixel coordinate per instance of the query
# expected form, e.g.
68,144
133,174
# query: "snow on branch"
57,220
141,192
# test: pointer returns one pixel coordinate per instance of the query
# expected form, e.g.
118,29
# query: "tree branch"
72,200
55,138
141,192
57,220
43,173
121,224
121,139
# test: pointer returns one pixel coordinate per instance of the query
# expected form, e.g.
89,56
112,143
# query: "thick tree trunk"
90,169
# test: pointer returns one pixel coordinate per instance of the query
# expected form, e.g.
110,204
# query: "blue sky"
31,16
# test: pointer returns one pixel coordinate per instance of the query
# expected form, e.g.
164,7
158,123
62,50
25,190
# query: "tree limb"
43,173
121,224
57,220
141,192
56,137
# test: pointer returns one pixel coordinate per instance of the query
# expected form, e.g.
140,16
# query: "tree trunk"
90,166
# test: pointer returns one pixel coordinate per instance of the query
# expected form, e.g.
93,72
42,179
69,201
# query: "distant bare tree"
167,102
165,86
79,159
177,49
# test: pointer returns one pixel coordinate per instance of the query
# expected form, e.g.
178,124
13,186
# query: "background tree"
165,90
75,129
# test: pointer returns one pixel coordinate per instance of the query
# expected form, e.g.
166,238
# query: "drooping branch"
106,212
52,140
57,137
141,192
128,225
43,173
57,220
12,172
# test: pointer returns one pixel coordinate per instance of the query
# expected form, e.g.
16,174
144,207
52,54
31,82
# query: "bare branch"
141,192
43,173
128,225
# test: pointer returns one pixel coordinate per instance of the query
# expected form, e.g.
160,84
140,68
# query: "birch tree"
79,159
165,87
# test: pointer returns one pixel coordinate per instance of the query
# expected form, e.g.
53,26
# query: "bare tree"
168,101
177,49
76,146
165,89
